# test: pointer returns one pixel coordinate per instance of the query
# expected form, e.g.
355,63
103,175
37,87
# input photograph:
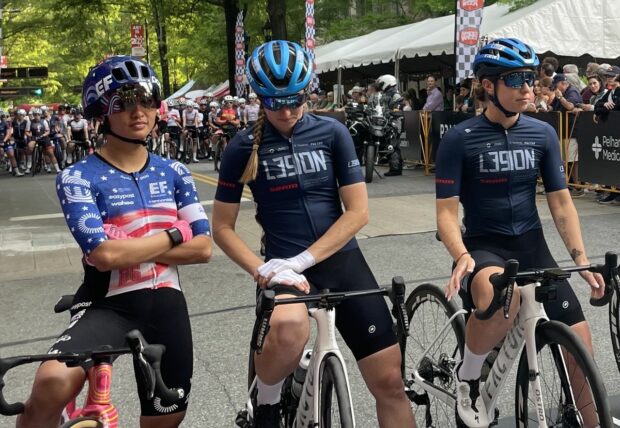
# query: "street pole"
1,40
146,36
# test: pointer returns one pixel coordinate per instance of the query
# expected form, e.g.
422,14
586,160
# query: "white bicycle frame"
522,332
325,344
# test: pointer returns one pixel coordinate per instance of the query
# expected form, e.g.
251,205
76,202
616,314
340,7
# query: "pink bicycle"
98,410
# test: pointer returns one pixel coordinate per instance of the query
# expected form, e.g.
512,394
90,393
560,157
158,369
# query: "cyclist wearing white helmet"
19,123
190,126
173,127
37,132
252,108
242,112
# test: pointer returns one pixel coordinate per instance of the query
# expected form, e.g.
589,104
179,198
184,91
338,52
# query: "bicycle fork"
324,345
98,402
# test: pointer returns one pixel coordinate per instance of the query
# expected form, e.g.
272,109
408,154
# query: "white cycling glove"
287,277
299,263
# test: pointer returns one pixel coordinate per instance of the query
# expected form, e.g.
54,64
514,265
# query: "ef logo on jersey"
159,188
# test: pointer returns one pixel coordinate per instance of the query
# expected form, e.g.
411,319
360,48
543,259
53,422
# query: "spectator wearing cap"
609,74
434,100
356,94
566,96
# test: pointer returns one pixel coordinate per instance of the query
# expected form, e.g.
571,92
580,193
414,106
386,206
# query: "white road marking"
60,215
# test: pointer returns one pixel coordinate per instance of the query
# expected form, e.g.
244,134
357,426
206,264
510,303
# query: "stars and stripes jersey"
93,193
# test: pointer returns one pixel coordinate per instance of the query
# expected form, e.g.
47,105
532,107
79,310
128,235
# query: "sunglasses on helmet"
130,96
277,103
516,79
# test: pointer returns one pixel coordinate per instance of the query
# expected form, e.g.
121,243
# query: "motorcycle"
374,135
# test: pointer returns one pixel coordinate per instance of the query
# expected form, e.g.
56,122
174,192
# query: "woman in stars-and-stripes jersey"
136,217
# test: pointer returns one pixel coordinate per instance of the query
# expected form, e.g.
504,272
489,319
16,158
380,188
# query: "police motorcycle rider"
391,100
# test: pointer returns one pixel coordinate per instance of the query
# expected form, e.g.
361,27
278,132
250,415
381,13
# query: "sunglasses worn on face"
516,79
129,97
277,103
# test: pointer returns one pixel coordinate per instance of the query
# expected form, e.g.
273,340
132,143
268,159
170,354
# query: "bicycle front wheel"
217,156
572,390
335,402
614,319
85,422
429,311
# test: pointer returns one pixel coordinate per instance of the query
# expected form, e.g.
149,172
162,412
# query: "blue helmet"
114,73
278,69
501,55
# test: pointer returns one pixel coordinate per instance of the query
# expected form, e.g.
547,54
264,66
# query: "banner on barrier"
441,122
599,149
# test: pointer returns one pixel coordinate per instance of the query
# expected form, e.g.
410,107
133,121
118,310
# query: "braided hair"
251,168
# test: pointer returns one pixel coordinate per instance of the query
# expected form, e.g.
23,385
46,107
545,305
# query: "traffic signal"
37,92
21,92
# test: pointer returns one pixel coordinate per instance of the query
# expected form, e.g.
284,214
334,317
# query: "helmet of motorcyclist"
279,68
385,82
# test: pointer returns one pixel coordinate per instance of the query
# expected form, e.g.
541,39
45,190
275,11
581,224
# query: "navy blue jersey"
296,188
494,171
93,193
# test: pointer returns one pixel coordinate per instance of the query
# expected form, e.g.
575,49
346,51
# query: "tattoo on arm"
575,253
561,225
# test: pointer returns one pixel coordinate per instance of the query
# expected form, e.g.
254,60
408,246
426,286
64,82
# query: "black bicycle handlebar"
502,283
148,364
328,300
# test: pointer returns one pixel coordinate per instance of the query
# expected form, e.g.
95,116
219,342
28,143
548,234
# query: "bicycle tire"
83,422
187,146
437,367
614,330
332,380
36,160
217,156
552,335
369,162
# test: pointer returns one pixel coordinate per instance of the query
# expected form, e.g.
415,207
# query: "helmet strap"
107,130
497,104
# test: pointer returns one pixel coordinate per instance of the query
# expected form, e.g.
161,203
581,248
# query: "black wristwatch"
175,235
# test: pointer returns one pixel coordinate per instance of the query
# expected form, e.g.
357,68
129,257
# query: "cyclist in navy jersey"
135,217
302,169
490,164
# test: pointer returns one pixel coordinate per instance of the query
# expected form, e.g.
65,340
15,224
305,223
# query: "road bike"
98,410
610,299
223,137
558,383
321,396
38,160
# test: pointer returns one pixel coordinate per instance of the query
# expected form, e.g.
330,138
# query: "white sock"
471,366
29,161
268,394
57,168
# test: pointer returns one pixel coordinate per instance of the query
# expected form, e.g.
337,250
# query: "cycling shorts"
365,323
9,145
20,144
161,315
162,126
193,131
531,251
174,131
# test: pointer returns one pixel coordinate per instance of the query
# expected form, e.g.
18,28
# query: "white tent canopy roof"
564,27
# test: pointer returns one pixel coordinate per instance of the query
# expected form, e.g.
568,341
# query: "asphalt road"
39,262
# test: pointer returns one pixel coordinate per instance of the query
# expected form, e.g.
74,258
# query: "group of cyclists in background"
186,130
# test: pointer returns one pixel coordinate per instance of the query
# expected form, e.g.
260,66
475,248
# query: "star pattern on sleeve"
104,178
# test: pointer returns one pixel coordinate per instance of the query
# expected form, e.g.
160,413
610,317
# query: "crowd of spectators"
563,89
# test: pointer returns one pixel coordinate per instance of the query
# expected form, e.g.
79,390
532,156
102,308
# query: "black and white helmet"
385,82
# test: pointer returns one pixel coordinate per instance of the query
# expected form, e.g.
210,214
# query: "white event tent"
564,28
